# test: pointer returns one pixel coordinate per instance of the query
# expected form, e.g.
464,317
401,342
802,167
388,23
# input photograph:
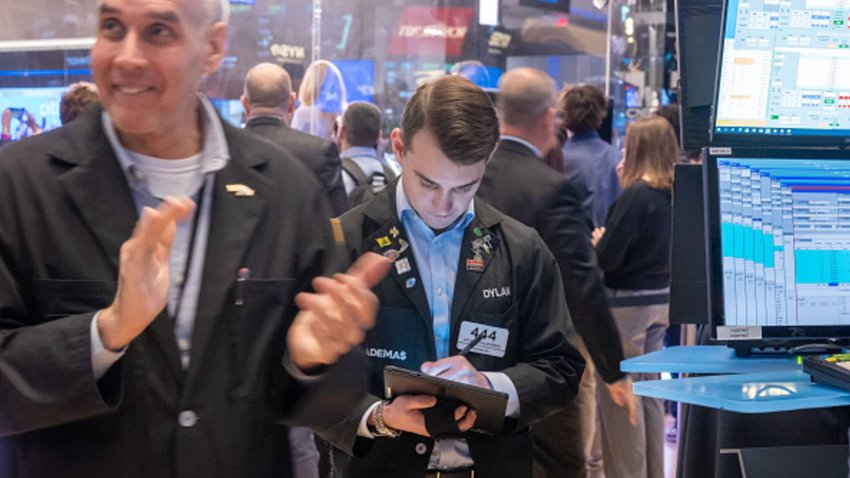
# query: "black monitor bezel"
731,139
800,334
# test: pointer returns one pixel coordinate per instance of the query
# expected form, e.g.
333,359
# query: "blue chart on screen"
785,241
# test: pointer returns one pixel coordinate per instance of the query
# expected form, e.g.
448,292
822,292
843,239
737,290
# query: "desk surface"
748,393
705,359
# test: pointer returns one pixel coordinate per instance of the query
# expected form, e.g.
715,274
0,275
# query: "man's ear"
216,43
292,99
245,105
340,135
397,141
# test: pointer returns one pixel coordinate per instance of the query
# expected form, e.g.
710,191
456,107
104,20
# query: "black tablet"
489,405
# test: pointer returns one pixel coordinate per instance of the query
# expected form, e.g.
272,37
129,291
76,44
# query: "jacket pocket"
54,298
498,348
258,338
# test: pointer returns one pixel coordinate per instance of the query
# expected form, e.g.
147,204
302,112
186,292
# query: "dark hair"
584,108
362,123
671,114
75,100
459,114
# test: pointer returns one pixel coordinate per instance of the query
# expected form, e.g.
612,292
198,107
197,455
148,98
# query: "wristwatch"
380,427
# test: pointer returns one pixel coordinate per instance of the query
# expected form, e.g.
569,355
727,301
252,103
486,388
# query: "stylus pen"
472,344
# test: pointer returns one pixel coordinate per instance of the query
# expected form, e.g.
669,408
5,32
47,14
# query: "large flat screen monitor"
41,103
779,244
784,73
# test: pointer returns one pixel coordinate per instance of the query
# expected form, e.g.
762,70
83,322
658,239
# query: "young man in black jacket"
460,268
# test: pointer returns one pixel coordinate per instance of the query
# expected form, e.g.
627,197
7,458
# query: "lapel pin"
383,241
402,266
476,264
410,283
477,231
239,190
391,255
482,244
394,232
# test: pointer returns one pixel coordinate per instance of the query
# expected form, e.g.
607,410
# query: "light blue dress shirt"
437,258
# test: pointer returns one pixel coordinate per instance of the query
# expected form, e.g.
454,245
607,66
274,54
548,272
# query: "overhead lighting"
47,44
488,12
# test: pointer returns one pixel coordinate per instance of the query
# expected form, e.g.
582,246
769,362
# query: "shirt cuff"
502,383
299,374
101,357
363,429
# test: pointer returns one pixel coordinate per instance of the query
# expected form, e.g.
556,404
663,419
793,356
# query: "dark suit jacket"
538,355
66,210
319,155
520,185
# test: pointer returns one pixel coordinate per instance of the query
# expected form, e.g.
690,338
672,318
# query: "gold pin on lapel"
239,190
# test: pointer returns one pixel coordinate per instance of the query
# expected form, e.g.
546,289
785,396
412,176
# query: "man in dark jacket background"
518,183
268,101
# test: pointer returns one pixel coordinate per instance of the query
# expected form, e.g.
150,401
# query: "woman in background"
322,99
634,252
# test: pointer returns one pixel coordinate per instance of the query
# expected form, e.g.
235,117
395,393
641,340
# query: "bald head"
268,86
525,95
217,10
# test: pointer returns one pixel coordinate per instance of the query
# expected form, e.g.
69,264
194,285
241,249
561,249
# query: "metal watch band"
381,427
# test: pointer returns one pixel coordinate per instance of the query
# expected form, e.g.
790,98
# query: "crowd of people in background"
604,213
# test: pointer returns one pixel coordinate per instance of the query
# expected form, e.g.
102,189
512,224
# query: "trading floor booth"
775,199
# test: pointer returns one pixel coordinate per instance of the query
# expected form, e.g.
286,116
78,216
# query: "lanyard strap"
187,268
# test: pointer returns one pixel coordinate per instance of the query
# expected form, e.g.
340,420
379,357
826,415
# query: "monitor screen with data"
780,243
784,72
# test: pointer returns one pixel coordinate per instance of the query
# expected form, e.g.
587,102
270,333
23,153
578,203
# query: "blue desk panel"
748,393
705,359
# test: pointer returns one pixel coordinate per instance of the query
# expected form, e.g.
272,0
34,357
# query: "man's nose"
131,54
443,203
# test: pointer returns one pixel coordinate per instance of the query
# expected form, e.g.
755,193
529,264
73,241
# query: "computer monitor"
231,110
783,73
688,269
779,244
697,34
359,79
41,103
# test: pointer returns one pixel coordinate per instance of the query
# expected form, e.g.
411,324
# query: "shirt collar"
589,134
523,142
358,151
261,118
214,152
403,206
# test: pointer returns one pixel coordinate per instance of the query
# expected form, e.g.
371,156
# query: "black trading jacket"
65,210
519,290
